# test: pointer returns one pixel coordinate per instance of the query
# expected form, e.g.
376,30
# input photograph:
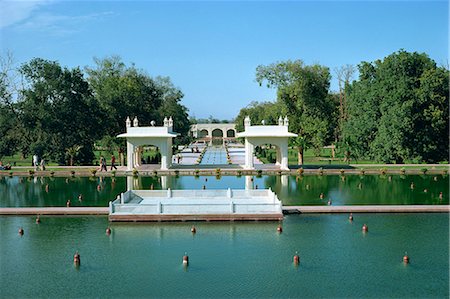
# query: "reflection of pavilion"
160,137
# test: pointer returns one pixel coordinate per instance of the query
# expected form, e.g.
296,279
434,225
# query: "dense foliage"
303,95
59,114
398,110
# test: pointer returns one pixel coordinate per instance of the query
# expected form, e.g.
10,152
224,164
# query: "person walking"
113,162
42,164
103,164
35,162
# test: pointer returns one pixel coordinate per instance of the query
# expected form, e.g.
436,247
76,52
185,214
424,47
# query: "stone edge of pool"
81,211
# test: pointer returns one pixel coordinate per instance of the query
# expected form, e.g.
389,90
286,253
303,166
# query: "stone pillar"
129,183
163,149
278,158
284,154
130,156
164,182
248,154
248,182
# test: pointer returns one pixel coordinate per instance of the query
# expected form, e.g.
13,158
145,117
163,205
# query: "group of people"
38,165
5,167
103,163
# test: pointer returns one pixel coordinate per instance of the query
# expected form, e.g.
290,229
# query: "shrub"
93,172
383,171
72,172
113,173
342,171
135,172
217,170
52,173
321,171
239,173
31,172
300,171
423,170
10,173
155,173
402,170
362,171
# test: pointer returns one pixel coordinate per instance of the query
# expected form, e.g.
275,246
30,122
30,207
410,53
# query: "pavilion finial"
128,122
166,122
286,121
170,123
135,122
280,121
247,122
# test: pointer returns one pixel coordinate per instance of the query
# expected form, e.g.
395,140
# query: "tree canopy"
398,110
59,114
303,94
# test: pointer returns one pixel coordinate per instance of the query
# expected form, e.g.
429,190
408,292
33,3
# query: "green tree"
267,111
171,106
57,111
398,110
303,91
123,91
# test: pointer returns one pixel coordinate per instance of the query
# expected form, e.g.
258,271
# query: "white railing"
196,202
230,193
193,208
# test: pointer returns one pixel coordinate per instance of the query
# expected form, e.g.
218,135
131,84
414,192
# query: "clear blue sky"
210,50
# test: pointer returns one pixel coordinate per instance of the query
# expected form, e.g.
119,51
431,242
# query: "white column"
248,154
164,154
278,152
248,182
284,154
129,183
169,152
130,156
164,182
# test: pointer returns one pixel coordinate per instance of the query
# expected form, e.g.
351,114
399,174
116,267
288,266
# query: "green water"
227,259
291,190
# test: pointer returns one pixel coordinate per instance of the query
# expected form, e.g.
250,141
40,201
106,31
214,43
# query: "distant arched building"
210,131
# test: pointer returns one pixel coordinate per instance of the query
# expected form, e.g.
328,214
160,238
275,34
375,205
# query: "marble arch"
197,130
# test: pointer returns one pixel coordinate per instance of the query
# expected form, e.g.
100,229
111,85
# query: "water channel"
228,259
291,190
233,260
214,156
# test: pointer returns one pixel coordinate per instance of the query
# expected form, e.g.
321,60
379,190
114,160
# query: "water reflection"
291,190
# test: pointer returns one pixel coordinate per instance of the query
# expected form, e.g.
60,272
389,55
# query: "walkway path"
287,209
55,211
370,209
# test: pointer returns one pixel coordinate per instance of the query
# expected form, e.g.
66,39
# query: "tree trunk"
300,155
71,160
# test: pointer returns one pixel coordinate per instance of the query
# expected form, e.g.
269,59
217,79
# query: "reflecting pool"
291,190
227,259
215,156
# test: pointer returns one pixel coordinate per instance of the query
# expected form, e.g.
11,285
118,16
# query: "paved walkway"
370,209
287,209
55,211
